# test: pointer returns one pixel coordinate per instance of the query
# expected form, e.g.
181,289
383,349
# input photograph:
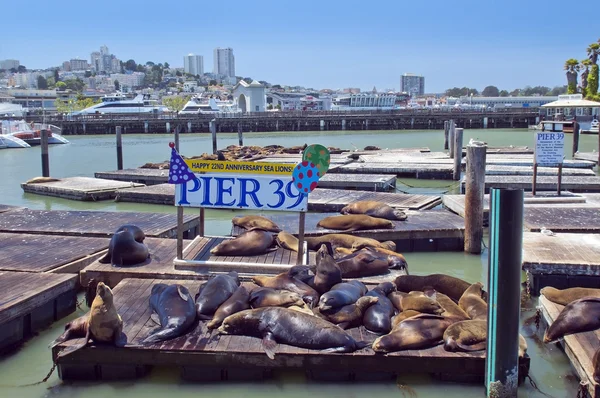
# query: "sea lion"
287,241
395,260
467,336
472,302
578,316
75,329
281,325
249,243
124,249
41,180
343,240
255,222
363,263
354,222
285,282
450,308
396,299
267,297
565,296
374,209
351,315
303,273
446,284
419,301
340,295
402,316
378,317
419,332
239,301
596,365
327,272
303,309
104,324
176,312
214,292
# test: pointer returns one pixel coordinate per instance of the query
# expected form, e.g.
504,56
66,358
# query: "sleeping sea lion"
419,301
578,316
41,180
215,292
267,297
255,222
340,295
450,308
175,309
378,317
374,209
565,296
124,249
351,315
281,325
249,243
327,272
363,263
343,240
467,336
395,260
446,284
287,241
402,316
236,303
75,329
472,302
596,366
419,332
285,282
303,273
354,222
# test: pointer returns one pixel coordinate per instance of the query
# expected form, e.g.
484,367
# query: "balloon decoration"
305,177
319,156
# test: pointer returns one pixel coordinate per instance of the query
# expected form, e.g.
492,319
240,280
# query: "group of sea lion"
126,247
580,314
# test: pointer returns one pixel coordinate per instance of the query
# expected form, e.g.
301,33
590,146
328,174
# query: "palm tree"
593,51
585,67
572,68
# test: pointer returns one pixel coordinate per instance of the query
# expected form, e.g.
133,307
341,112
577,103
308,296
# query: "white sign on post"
549,148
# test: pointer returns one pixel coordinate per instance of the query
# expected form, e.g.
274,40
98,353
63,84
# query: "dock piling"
45,158
212,126
177,129
475,188
458,145
301,223
446,124
240,134
119,148
504,297
576,132
451,130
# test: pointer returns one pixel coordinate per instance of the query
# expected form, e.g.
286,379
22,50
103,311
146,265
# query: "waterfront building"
131,80
351,90
9,64
570,107
249,97
78,64
502,102
38,99
298,102
412,84
224,62
364,101
193,64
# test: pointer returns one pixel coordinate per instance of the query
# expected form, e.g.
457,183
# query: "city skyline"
470,44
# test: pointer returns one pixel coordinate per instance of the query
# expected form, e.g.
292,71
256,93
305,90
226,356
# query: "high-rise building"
412,84
104,50
96,61
224,62
193,64
78,64
9,64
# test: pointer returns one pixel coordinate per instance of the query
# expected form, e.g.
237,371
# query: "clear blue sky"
320,44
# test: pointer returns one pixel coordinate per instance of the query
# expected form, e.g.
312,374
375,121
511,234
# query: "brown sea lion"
415,333
255,222
472,302
395,260
124,249
565,296
215,292
175,309
249,243
236,303
450,308
303,273
402,316
75,329
343,251
285,282
363,263
267,297
41,180
303,309
378,317
578,316
374,209
396,299
354,222
596,366
343,240
446,284
327,272
340,295
281,325
351,315
468,335
287,241
419,301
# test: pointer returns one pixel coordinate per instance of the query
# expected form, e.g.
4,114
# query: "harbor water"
550,368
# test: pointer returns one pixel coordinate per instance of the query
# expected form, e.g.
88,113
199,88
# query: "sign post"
549,151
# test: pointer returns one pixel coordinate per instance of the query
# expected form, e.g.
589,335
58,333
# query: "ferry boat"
119,103
205,106
19,134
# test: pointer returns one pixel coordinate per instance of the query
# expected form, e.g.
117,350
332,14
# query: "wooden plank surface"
143,176
589,156
563,219
543,183
527,160
425,170
39,253
79,188
495,169
4,208
90,223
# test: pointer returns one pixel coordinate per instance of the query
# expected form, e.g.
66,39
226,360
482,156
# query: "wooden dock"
139,175
424,171
495,169
321,199
562,261
527,160
32,301
93,223
543,183
423,231
506,150
79,188
563,219
203,355
579,347
4,208
589,156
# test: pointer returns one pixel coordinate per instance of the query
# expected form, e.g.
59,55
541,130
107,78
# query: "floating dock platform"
424,171
94,223
203,355
580,347
495,169
5,208
589,156
571,183
79,188
32,301
527,160
562,219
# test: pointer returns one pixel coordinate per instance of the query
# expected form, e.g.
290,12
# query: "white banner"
549,148
231,191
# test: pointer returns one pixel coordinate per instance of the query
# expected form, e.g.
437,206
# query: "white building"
364,101
193,64
298,102
249,97
131,80
224,62
502,102
115,64
412,84
9,64
191,86
78,64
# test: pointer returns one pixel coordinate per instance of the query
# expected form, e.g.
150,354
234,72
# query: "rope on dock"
534,385
582,392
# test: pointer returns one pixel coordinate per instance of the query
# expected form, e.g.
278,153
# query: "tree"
572,68
117,85
42,84
130,65
213,82
56,77
270,106
584,66
516,92
175,104
74,104
593,51
166,65
491,91
502,93
22,69
88,73
248,80
178,73
51,82
141,68
61,86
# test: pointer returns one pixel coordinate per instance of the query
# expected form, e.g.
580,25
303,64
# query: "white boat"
199,105
535,126
595,126
121,104
20,134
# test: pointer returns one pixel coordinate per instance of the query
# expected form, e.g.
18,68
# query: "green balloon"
319,156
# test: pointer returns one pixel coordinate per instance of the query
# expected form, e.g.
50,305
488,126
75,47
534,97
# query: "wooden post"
301,222
458,146
451,131
504,297
576,132
475,188
119,148
533,187
213,130
45,157
446,128
177,129
240,135
560,166
179,217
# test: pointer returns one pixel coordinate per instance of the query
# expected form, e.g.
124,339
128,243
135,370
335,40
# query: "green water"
86,154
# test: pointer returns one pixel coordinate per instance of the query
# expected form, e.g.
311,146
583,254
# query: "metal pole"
475,188
212,125
119,148
458,147
301,222
533,187
504,298
45,157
